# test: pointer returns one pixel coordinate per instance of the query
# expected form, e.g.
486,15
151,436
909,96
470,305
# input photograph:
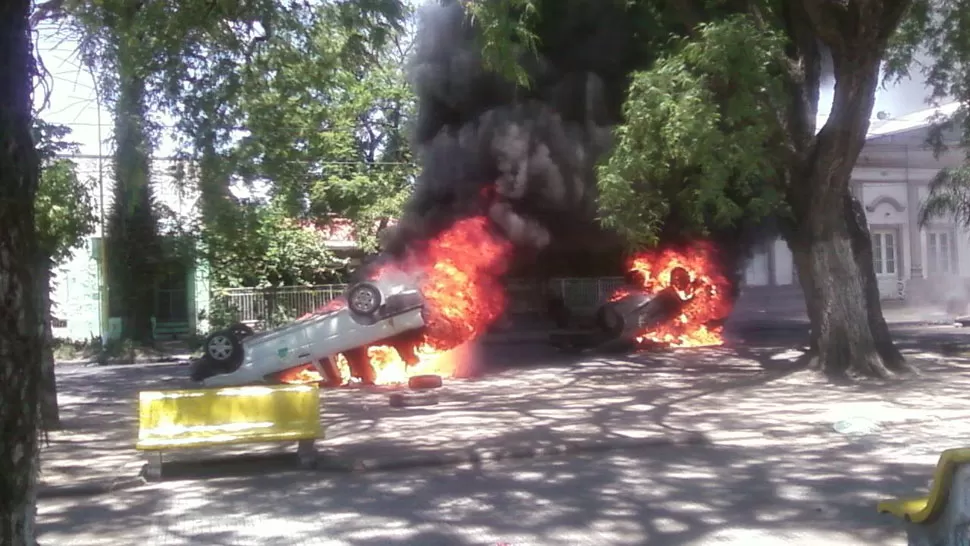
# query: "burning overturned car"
385,309
672,299
415,317
409,318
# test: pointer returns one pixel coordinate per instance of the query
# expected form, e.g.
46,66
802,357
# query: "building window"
884,252
941,253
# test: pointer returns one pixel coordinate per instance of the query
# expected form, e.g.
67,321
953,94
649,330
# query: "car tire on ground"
223,350
410,400
422,382
364,299
609,320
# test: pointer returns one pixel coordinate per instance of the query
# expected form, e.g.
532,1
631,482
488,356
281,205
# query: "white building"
80,287
891,179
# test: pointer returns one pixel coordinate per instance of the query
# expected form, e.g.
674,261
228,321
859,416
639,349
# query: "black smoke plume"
523,157
526,157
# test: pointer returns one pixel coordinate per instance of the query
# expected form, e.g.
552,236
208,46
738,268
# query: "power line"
99,125
175,159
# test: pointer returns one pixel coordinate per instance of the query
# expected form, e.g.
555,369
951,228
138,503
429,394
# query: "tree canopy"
304,106
716,127
719,124
64,206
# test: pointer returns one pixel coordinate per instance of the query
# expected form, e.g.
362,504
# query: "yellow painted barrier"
924,510
181,419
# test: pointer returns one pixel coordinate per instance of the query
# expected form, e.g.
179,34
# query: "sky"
73,100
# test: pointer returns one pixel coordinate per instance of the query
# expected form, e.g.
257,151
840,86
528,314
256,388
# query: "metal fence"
579,293
272,305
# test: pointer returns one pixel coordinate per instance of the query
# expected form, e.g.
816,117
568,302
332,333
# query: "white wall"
784,263
885,213
74,296
756,272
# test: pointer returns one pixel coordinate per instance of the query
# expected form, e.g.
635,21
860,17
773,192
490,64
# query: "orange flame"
707,297
461,286
390,369
459,271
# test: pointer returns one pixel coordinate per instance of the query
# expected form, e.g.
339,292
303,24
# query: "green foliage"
369,199
949,197
318,90
325,114
506,30
326,124
221,313
269,248
64,210
64,205
941,32
700,136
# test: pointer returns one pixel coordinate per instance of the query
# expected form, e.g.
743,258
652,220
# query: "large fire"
460,271
706,294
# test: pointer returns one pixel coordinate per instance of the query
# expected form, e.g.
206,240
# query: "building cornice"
870,175
885,199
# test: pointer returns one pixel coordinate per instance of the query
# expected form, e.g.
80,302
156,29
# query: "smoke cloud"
526,157
523,157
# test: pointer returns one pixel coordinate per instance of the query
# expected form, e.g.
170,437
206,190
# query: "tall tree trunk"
19,332
135,250
49,413
871,350
828,239
215,200
862,249
843,343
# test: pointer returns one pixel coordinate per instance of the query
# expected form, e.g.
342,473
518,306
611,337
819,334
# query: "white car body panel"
316,337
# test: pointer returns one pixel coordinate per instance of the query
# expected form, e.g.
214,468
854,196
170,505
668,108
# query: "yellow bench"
180,419
943,514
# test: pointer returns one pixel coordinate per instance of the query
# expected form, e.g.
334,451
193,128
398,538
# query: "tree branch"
848,26
830,20
690,12
47,11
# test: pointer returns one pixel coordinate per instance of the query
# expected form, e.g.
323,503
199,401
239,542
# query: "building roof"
920,119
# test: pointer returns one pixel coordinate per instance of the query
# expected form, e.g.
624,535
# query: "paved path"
734,493
786,303
773,471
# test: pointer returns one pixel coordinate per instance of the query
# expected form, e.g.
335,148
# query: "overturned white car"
375,311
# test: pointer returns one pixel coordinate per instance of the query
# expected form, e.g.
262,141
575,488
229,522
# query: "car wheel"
609,320
223,349
241,331
364,299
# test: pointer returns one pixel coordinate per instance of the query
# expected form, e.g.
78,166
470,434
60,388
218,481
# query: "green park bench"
941,518
184,419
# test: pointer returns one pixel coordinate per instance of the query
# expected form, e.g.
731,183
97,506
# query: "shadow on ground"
669,496
776,471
